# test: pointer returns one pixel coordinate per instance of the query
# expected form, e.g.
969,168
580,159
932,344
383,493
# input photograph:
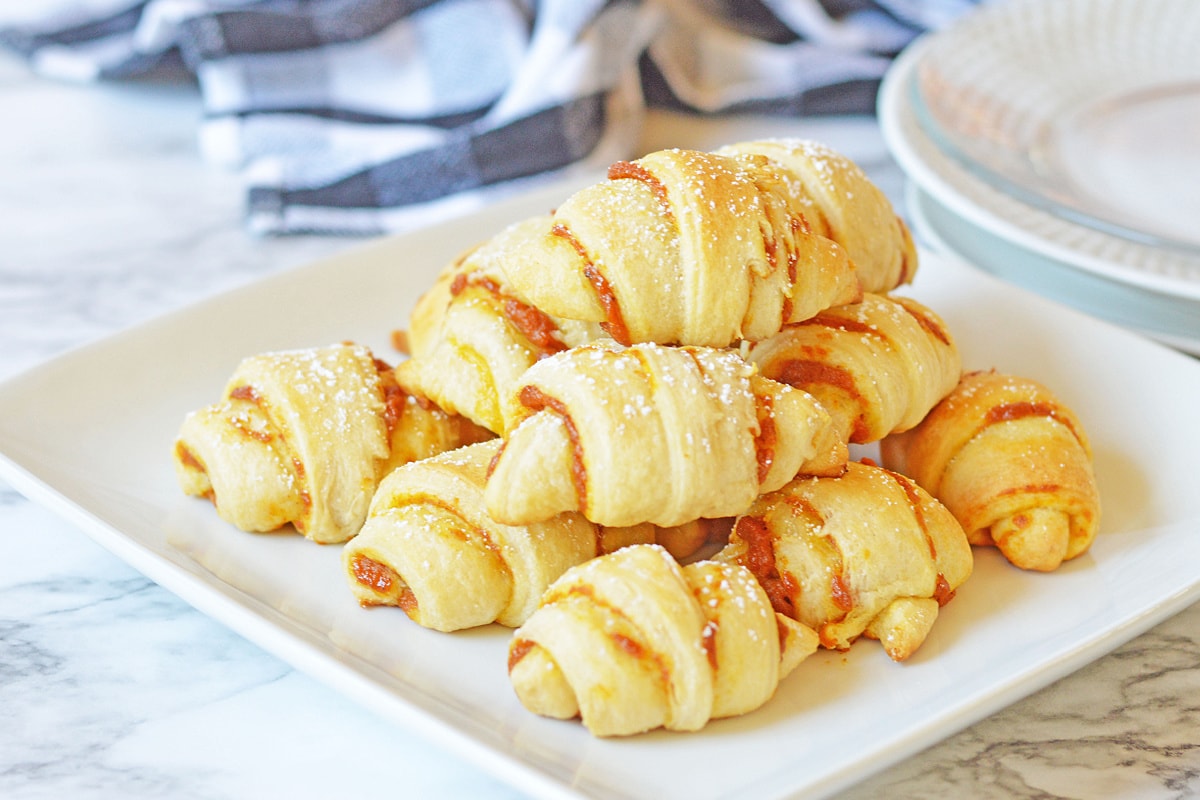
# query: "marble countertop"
112,687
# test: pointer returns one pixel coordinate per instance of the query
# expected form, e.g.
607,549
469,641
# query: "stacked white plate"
1057,145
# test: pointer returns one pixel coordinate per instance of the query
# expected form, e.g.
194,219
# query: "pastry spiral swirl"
631,641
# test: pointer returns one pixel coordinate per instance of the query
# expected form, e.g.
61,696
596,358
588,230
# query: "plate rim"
949,182
1000,25
917,201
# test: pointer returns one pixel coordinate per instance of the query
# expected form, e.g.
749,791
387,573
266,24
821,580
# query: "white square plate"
89,434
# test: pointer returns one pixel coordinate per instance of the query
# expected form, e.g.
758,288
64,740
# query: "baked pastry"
470,337
687,540
843,204
868,553
877,366
303,437
683,247
429,547
650,433
1012,463
631,642
420,428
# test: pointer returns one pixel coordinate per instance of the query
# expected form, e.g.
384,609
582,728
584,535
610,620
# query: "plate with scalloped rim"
105,465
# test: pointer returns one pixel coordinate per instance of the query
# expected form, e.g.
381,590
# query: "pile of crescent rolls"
623,429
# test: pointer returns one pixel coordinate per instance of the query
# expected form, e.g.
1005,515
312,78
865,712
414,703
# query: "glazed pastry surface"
649,433
1014,465
878,366
471,337
868,553
303,437
844,205
631,642
429,547
683,247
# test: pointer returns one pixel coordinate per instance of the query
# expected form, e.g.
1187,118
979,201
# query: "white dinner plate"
89,434
1174,321
1087,108
991,208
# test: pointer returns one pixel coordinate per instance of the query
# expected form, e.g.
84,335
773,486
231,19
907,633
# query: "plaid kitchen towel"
369,116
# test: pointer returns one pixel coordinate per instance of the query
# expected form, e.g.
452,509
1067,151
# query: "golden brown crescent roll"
1012,463
650,433
868,553
470,336
845,206
303,437
630,642
429,547
877,366
683,247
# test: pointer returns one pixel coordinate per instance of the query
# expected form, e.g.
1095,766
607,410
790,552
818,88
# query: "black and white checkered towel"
367,116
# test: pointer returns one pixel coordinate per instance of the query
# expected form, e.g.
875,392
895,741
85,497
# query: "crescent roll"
867,553
877,366
1012,463
303,437
649,433
631,641
429,547
683,247
471,337
843,204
